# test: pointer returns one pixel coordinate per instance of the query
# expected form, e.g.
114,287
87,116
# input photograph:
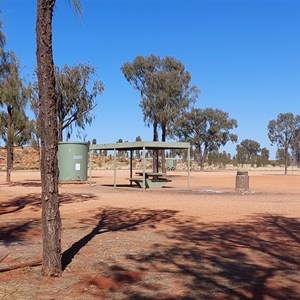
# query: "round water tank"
72,161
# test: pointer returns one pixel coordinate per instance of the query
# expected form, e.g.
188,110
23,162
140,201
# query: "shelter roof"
141,145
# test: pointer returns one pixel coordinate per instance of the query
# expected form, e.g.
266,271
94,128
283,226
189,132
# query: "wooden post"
131,151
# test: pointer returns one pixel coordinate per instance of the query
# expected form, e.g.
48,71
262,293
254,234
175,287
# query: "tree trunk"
201,159
285,160
201,164
204,156
60,134
155,152
9,145
51,221
9,161
163,154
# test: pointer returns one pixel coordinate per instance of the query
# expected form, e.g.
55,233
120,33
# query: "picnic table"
152,180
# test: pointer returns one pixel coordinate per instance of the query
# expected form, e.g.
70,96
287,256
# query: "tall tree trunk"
163,154
285,160
60,134
204,156
51,220
155,152
9,145
201,159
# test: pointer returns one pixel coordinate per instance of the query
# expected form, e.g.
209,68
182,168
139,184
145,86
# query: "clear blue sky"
244,56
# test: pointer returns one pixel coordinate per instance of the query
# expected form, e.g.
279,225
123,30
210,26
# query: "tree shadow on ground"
16,232
257,258
125,185
135,186
116,219
33,201
252,260
27,183
17,229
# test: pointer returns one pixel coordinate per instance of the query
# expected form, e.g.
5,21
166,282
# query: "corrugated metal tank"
72,161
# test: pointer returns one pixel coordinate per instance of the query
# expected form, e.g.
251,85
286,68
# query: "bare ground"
123,243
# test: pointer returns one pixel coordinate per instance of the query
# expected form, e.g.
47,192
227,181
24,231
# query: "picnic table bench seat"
156,183
137,180
150,183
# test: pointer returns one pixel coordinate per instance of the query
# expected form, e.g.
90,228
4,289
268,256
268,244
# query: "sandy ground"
207,243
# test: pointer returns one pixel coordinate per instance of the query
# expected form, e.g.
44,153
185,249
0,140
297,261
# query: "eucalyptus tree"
281,157
20,134
170,87
165,90
218,159
51,221
77,90
263,159
284,131
13,98
296,147
248,151
241,155
139,73
206,129
3,53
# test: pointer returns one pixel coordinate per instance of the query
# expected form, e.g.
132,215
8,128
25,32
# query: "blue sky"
243,55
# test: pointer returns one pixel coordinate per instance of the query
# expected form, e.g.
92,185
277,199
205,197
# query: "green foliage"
15,127
75,100
76,5
264,157
241,155
21,131
2,39
295,147
280,156
248,152
76,90
284,132
165,90
206,129
217,159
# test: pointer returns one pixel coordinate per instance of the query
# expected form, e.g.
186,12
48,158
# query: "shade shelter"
143,146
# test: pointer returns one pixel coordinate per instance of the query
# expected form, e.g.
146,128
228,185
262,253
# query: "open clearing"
123,243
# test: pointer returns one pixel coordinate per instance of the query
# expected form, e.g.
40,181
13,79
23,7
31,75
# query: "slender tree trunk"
285,160
9,162
201,158
60,130
9,145
204,156
163,154
155,152
51,220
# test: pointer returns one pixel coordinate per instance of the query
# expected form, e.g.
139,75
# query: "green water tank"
72,161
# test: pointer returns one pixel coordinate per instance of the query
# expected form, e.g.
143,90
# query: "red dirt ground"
207,243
